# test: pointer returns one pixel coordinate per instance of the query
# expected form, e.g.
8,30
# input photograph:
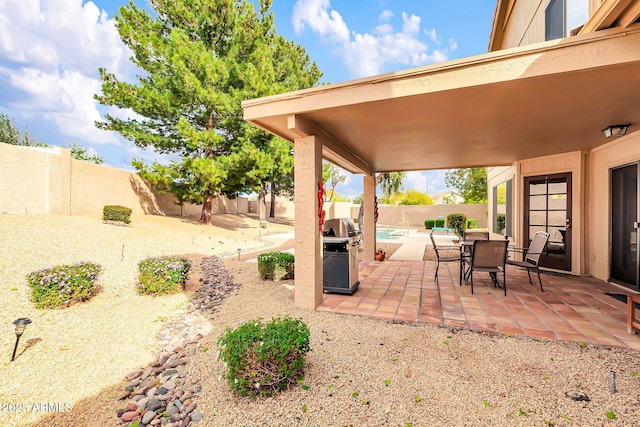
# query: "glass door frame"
611,226
549,260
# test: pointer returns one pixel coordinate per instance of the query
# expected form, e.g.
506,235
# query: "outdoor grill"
340,256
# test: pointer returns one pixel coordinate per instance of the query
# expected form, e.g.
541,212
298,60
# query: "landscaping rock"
129,416
176,342
148,417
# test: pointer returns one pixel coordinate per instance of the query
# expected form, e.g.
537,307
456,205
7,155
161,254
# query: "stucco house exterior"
532,110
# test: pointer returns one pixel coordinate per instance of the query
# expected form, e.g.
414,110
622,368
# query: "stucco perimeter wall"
32,180
620,152
48,181
573,162
284,208
414,215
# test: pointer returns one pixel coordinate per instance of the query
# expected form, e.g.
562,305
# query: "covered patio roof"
491,109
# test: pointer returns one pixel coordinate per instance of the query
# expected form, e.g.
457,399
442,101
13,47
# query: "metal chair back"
489,254
536,247
475,235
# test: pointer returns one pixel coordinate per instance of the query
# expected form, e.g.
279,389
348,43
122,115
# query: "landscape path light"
21,324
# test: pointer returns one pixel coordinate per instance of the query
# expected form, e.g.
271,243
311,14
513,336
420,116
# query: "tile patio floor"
571,308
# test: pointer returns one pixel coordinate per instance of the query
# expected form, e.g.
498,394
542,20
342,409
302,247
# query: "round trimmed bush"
64,285
162,275
264,358
276,266
457,221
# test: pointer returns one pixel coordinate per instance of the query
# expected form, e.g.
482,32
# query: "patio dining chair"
441,257
489,256
531,255
469,237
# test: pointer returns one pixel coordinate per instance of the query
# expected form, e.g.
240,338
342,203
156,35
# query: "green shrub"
502,222
472,223
162,275
264,358
64,285
276,265
116,213
458,222
429,223
439,223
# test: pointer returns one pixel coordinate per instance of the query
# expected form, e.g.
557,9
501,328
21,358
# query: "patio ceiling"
487,110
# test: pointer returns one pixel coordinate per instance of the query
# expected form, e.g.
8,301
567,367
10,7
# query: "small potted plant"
380,255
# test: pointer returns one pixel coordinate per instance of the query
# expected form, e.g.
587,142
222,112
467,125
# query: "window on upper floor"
561,16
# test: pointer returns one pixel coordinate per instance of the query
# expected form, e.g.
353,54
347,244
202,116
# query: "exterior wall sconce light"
21,324
615,131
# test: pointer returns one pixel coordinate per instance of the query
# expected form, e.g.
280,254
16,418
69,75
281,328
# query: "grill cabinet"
340,256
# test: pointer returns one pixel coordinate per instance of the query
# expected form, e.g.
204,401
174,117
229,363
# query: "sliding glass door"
624,226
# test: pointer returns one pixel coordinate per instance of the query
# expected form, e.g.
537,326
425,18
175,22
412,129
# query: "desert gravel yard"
360,372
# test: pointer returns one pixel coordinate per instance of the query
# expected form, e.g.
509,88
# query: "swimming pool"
388,234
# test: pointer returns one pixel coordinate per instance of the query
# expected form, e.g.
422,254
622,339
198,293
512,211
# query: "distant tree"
393,199
414,197
450,199
470,183
10,134
81,153
200,59
358,199
502,194
391,183
337,197
332,175
282,182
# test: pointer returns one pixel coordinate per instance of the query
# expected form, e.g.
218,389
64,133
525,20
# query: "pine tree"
201,59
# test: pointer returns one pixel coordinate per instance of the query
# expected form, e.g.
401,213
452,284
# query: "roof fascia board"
564,55
497,27
501,17
605,15
303,127
630,15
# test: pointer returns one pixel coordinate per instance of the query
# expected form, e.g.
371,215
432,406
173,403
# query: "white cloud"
385,15
433,35
383,29
373,52
453,44
411,24
316,14
50,52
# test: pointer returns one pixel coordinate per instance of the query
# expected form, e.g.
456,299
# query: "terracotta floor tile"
570,308
429,319
384,315
509,330
407,317
540,333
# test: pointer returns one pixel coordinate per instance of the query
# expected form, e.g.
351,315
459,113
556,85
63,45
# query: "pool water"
388,234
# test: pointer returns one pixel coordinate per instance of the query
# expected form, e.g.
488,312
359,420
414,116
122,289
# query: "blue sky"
50,52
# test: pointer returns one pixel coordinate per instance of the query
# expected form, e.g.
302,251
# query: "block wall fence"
36,180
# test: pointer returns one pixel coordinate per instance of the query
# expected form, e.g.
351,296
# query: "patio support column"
369,226
308,260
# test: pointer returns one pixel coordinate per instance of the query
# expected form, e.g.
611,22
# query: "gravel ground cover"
361,371
76,352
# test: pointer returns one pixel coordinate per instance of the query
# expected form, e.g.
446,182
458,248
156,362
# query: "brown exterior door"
547,207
